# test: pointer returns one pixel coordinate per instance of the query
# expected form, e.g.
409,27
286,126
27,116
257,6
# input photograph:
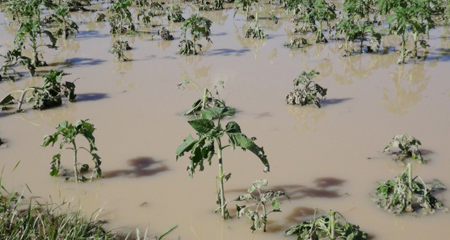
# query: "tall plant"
209,143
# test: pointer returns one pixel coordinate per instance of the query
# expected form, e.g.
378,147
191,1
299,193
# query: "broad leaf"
186,146
202,125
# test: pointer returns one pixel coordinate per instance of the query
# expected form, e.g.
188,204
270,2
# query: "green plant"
12,58
258,211
332,225
175,14
246,6
205,5
197,27
405,194
409,147
118,49
30,31
209,143
255,31
69,132
66,26
120,18
306,91
49,95
208,99
314,14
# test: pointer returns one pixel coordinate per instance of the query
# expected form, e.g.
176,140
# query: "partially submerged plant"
12,58
198,27
120,18
118,49
165,34
332,225
296,42
306,91
255,31
208,100
257,211
66,27
49,95
409,147
69,132
406,195
209,143
175,14
313,15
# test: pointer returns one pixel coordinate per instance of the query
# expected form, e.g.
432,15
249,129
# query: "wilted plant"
175,14
409,147
69,132
255,31
258,211
118,48
165,34
208,100
205,5
306,91
246,6
209,143
297,42
406,195
361,31
120,18
332,225
66,26
49,95
314,14
197,27
12,58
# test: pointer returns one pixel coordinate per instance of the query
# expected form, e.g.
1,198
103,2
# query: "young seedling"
332,225
197,27
121,23
258,212
66,27
69,132
306,91
208,99
255,31
314,14
246,6
49,95
118,48
209,143
406,195
409,147
205,5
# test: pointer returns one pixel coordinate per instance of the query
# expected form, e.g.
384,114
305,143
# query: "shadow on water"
333,101
84,97
85,61
91,34
140,167
226,52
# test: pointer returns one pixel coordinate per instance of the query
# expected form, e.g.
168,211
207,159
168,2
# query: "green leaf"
202,125
7,100
232,127
240,140
217,112
186,146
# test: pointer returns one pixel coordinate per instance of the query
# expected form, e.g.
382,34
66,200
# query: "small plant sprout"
197,27
306,91
257,211
255,31
332,225
406,195
49,95
207,100
66,27
69,132
175,14
297,42
209,143
409,147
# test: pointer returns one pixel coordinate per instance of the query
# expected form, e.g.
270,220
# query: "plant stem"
409,181
221,176
332,219
75,152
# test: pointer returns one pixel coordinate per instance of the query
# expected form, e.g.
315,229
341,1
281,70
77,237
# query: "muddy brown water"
329,158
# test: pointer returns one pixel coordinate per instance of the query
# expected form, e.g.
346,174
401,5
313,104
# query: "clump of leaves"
66,26
100,17
409,147
175,14
120,18
165,34
297,42
331,225
12,58
69,132
208,100
245,5
257,211
406,195
306,91
205,5
49,95
118,49
209,143
313,15
198,27
255,30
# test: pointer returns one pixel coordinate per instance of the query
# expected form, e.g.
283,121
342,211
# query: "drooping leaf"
202,125
186,146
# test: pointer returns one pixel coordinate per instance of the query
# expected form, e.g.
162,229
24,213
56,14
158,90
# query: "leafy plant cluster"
306,90
405,194
331,225
197,27
47,96
409,147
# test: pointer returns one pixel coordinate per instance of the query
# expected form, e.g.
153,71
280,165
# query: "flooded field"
328,158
